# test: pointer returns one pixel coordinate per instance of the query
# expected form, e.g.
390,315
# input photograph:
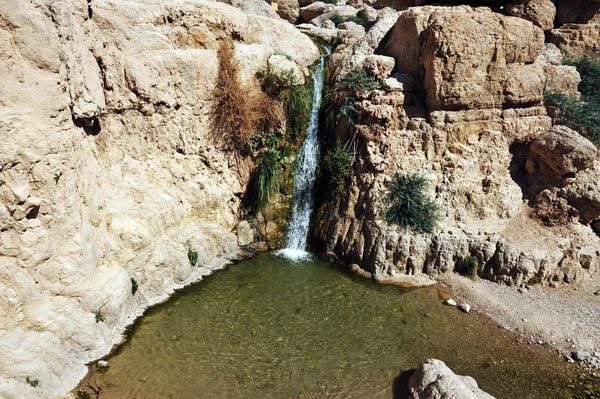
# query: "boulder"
368,14
340,11
288,10
434,380
564,150
562,79
540,12
245,233
314,10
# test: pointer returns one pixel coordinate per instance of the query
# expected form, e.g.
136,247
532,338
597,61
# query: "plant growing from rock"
192,257
582,114
343,97
267,178
83,395
338,167
134,286
471,266
99,316
338,19
409,206
33,382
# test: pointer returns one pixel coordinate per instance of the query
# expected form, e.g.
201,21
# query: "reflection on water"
266,328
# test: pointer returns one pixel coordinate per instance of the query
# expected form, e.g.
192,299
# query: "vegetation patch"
83,395
134,286
338,19
581,114
343,97
338,167
33,382
471,266
192,257
409,206
267,178
99,316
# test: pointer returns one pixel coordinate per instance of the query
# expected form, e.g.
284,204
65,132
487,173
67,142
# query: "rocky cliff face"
460,103
108,171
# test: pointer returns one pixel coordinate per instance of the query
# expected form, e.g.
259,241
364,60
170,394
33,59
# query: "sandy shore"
566,317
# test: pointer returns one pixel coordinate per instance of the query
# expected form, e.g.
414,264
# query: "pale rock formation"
434,380
314,10
540,12
108,171
342,11
461,122
288,10
564,150
577,40
560,78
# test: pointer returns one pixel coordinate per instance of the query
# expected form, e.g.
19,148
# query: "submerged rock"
464,307
434,380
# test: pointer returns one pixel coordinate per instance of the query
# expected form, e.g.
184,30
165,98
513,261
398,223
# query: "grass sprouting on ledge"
409,206
338,167
296,97
267,178
582,114
343,96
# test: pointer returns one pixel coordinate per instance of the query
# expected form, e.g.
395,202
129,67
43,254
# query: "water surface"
268,328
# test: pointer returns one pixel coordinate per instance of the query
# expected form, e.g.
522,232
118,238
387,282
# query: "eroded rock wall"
460,105
108,170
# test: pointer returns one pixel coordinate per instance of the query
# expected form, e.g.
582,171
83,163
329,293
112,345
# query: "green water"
266,328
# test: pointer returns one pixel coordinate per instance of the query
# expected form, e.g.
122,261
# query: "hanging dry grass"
238,112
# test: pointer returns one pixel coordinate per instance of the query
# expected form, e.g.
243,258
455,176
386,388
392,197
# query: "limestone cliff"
108,172
461,104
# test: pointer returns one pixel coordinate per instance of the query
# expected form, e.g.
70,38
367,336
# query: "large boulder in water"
434,380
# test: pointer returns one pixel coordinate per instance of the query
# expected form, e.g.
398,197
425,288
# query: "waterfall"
305,174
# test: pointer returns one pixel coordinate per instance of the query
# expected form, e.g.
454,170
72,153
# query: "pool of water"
269,328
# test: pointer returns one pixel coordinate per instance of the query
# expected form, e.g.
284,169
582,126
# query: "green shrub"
589,69
342,99
192,257
338,19
99,316
582,114
134,286
83,395
267,178
34,383
338,167
409,206
334,2
471,266
576,114
297,98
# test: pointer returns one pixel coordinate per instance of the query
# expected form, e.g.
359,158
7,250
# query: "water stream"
270,328
305,174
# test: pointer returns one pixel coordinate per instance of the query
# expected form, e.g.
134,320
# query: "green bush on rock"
471,266
410,207
192,257
267,178
338,167
582,114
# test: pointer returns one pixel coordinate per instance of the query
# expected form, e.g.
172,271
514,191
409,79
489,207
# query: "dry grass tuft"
238,112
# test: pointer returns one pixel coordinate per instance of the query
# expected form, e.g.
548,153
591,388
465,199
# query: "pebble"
465,307
102,363
450,302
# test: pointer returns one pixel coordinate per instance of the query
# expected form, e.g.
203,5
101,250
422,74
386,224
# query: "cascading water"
304,178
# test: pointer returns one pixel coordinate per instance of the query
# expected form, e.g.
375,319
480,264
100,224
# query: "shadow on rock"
400,385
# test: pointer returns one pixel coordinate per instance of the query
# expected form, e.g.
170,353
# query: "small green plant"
338,19
83,395
134,286
192,257
582,114
471,266
338,167
297,98
334,2
343,97
34,383
99,316
409,206
267,178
